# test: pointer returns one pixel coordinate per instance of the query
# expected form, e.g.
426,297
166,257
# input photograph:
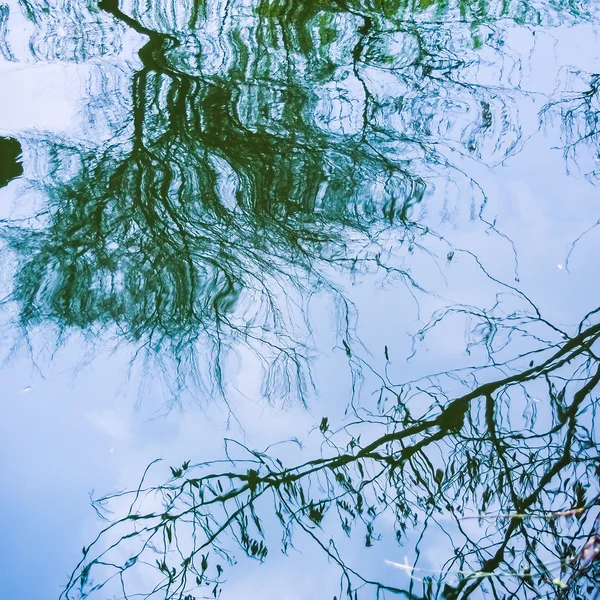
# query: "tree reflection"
435,455
270,148
258,163
579,111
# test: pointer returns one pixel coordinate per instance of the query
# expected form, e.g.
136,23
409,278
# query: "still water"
335,264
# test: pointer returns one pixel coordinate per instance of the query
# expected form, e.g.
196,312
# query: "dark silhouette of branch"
464,456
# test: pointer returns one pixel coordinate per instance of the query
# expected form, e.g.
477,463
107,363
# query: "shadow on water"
11,166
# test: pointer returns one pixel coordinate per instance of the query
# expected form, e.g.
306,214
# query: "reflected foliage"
579,112
508,496
90,34
266,152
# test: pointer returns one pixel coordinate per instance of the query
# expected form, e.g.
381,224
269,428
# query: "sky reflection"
217,219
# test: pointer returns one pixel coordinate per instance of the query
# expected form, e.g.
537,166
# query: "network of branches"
434,454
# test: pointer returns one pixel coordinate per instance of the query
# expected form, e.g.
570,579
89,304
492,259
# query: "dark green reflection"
263,156
10,160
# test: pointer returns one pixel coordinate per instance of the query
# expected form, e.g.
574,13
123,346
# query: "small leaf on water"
85,574
324,426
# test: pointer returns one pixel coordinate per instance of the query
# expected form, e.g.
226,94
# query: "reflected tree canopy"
267,150
270,149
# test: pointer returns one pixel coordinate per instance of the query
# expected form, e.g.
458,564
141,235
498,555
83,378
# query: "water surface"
366,228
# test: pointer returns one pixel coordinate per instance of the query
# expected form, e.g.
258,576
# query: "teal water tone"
302,297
